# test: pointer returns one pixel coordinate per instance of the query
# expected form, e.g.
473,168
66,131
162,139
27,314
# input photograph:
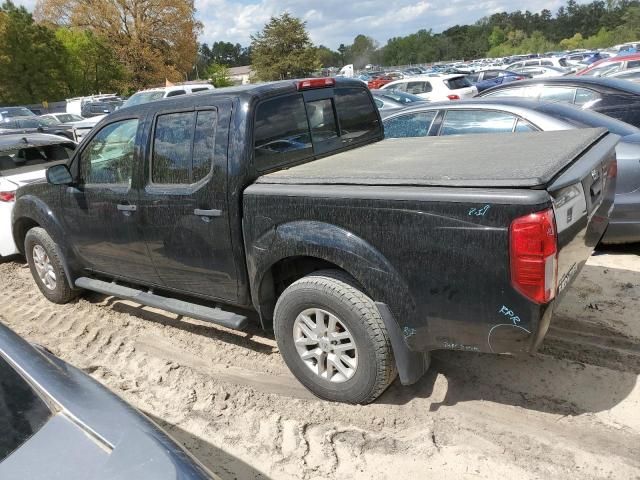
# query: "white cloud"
331,22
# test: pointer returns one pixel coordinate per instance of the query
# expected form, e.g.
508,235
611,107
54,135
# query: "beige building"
240,75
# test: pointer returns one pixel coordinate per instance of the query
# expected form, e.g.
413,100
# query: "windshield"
16,112
69,117
402,97
584,118
31,158
143,97
22,411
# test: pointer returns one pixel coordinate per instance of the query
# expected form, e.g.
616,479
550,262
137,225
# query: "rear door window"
506,92
460,122
175,93
584,96
183,146
633,64
22,412
558,94
410,125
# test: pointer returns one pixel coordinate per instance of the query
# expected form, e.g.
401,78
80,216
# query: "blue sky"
331,22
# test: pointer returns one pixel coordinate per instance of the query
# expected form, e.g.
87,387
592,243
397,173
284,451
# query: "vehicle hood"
89,122
28,177
93,434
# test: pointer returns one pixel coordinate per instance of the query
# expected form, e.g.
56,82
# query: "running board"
179,307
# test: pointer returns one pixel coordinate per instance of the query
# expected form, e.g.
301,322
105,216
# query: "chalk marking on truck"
507,312
479,212
502,325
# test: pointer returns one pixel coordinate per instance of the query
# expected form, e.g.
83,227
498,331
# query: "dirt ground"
570,412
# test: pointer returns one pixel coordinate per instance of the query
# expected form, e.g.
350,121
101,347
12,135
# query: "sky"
332,22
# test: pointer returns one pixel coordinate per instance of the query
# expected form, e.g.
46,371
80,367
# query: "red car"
382,80
607,66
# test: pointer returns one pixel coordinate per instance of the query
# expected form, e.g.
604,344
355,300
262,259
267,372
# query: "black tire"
62,293
337,293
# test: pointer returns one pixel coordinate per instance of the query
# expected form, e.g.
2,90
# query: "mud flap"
411,365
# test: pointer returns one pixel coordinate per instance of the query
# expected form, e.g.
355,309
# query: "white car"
436,88
144,96
537,62
68,118
540,71
24,159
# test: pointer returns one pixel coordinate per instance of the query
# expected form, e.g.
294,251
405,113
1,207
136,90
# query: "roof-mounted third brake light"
309,83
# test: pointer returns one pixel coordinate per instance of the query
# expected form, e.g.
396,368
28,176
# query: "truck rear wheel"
333,339
46,266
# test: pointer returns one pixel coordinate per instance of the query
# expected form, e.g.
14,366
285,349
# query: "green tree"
362,51
91,66
219,75
572,43
328,57
31,59
283,50
497,37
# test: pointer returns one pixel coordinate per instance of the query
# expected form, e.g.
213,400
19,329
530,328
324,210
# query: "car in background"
616,98
485,79
631,75
536,62
23,160
437,88
12,112
100,107
392,100
540,71
68,118
507,115
152,94
35,124
611,65
59,423
379,81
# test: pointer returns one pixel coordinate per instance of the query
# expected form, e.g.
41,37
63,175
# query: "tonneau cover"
529,160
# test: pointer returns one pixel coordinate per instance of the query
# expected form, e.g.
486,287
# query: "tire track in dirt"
228,396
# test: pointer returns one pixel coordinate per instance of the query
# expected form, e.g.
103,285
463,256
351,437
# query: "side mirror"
59,175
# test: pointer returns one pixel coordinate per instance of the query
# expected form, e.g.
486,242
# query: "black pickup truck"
363,255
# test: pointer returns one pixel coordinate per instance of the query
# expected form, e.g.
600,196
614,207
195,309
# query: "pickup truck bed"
534,160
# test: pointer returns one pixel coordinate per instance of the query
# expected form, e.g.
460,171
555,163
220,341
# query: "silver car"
507,115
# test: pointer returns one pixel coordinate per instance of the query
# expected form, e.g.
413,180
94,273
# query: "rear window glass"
456,83
27,159
357,115
281,132
287,130
22,411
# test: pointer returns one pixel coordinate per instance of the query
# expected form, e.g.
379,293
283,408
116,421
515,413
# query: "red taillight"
308,83
534,256
7,196
453,97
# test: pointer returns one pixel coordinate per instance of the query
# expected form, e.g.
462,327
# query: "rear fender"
334,245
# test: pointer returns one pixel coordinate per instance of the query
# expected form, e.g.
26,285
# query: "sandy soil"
570,412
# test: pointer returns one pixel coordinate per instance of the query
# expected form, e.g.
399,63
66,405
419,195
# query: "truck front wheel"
46,266
333,339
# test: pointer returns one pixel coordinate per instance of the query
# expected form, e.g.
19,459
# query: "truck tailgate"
583,198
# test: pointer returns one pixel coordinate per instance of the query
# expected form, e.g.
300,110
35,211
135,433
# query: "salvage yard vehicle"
435,88
616,98
24,159
57,422
280,198
502,115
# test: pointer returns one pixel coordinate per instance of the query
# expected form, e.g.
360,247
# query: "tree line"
68,48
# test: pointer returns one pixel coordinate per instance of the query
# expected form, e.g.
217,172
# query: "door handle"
207,213
127,208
